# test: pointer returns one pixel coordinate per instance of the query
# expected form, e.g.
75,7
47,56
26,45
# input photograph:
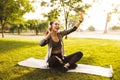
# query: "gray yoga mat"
82,68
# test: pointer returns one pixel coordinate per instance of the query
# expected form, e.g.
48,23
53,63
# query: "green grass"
96,52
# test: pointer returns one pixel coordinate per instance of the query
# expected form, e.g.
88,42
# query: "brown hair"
50,26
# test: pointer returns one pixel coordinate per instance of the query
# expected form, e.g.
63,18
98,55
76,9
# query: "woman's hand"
47,34
80,20
59,59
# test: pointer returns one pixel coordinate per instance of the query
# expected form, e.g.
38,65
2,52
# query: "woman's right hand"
49,31
47,34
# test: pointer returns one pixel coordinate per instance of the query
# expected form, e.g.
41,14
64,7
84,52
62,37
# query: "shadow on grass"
39,74
6,45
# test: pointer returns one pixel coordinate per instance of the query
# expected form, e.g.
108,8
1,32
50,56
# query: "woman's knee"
79,53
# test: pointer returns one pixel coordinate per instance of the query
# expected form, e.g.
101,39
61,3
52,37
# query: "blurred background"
32,17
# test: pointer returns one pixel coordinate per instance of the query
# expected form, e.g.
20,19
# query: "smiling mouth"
57,28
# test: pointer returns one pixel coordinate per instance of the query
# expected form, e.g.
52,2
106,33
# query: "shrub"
91,28
115,28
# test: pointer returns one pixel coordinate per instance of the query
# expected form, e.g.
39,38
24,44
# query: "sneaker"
73,66
64,69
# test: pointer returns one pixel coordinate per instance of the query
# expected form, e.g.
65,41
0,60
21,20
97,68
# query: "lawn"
97,52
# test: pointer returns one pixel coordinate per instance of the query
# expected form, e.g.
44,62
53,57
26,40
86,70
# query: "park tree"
33,25
20,27
37,25
53,14
43,26
12,10
66,7
114,9
12,28
19,22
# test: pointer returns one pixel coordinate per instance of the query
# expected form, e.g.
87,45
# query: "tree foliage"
12,10
37,25
43,26
53,14
115,28
66,7
33,25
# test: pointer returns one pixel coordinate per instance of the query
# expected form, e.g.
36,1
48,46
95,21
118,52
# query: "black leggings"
71,59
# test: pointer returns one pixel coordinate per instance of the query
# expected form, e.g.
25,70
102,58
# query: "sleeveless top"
56,45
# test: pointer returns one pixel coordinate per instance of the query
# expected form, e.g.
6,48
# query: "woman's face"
55,26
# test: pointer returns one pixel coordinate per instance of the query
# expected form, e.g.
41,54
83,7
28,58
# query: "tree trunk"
2,31
66,27
36,29
13,31
18,31
66,22
66,16
107,21
2,25
105,30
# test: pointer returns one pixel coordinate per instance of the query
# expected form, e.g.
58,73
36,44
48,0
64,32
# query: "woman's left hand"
80,19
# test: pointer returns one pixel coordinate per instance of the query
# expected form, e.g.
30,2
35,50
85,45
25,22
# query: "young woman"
55,56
